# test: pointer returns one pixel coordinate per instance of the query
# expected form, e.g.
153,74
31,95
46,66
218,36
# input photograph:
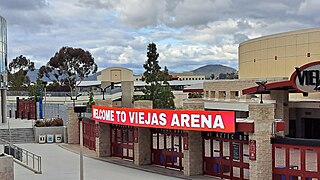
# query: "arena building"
251,128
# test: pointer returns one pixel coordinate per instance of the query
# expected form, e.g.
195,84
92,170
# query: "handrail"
23,157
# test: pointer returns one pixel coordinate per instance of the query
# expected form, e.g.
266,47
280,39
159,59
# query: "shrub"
49,122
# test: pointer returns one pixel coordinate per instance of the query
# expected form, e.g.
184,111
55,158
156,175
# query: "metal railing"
23,157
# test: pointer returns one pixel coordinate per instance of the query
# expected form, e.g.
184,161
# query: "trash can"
42,139
58,138
50,138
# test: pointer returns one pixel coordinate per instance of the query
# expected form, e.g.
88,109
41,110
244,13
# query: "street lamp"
74,98
79,110
263,85
103,90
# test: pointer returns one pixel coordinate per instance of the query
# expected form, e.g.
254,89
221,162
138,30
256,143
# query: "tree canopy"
69,66
17,71
158,89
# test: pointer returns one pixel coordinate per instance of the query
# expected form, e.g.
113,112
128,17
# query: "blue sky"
188,33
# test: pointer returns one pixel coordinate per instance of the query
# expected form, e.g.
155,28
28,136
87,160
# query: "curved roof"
301,31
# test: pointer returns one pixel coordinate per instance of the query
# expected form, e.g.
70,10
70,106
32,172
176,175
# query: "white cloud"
188,33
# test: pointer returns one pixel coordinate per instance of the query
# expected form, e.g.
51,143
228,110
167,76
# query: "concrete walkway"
59,163
125,163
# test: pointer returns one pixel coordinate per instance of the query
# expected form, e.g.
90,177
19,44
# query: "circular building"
276,56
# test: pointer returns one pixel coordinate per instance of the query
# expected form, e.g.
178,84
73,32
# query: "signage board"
252,150
235,151
307,77
195,120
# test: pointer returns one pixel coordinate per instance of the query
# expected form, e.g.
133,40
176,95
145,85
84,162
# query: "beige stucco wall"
257,56
116,74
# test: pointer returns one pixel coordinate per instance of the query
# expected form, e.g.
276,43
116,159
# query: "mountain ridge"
206,70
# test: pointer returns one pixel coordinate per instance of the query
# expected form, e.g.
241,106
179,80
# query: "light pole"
44,83
103,90
74,98
79,110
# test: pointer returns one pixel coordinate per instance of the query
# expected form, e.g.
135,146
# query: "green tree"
17,72
160,94
69,66
90,100
212,76
34,90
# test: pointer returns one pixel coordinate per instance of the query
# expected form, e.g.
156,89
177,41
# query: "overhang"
280,85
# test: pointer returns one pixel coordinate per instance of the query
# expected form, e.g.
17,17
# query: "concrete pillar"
142,149
228,95
6,168
105,84
282,106
73,127
217,95
103,141
263,116
4,105
127,93
193,157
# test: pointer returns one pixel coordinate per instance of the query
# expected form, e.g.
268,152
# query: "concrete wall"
6,168
50,130
144,104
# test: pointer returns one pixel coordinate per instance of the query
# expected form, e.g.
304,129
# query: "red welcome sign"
216,121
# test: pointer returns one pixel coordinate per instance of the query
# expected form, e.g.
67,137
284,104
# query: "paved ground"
59,163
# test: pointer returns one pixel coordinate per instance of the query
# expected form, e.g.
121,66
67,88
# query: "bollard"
10,115
16,114
28,115
22,115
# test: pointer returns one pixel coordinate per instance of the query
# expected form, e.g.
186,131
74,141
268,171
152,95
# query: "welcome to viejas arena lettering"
217,121
307,77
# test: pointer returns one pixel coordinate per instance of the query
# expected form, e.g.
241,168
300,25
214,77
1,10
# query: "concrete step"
18,135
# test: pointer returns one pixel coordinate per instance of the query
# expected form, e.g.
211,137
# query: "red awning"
280,85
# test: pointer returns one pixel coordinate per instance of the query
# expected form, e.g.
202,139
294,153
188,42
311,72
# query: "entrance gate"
89,135
294,159
226,155
167,148
122,141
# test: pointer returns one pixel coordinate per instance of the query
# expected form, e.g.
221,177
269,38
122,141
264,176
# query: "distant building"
185,76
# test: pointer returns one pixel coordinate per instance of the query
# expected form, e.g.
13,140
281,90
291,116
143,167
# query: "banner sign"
307,77
215,121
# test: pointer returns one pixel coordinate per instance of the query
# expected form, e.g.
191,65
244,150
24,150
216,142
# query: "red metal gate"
122,141
26,109
226,155
294,159
167,148
89,134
